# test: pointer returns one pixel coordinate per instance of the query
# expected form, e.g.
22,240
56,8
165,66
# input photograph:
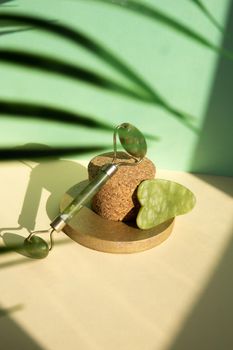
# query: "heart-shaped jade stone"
162,200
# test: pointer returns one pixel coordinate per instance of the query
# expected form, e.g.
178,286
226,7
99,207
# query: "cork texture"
117,199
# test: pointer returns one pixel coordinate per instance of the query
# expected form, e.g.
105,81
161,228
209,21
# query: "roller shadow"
56,176
13,240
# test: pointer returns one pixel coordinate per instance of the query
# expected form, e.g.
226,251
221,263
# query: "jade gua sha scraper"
134,144
162,200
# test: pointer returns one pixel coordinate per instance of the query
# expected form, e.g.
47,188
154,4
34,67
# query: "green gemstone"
162,200
132,140
36,247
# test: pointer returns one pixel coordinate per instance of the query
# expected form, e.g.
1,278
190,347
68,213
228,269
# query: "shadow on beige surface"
12,239
9,239
12,335
224,184
209,324
55,176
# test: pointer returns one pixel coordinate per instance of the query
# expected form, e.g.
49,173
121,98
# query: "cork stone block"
117,200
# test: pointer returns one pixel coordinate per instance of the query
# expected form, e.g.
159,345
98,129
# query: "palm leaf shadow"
2,2
22,109
8,154
12,31
55,66
158,16
147,93
80,39
17,109
208,14
35,111
68,70
10,310
9,249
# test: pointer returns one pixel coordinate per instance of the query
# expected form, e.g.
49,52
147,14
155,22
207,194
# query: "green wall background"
191,77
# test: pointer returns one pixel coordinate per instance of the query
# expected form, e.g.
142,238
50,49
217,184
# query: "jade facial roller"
134,144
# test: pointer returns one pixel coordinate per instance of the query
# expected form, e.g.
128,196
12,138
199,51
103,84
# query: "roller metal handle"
84,196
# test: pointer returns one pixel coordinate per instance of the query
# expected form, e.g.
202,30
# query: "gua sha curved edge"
162,200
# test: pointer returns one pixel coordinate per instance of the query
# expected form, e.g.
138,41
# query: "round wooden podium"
92,231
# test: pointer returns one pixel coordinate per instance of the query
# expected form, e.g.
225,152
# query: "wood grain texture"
92,231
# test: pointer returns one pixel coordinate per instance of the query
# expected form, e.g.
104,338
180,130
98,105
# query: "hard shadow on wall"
214,151
208,325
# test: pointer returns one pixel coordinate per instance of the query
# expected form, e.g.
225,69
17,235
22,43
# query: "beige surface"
177,296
